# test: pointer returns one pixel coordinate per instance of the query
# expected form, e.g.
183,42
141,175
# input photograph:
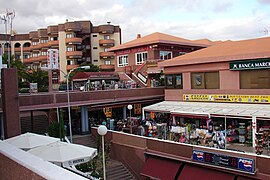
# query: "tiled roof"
156,38
226,51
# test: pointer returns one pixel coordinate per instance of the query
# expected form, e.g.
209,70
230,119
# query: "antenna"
266,31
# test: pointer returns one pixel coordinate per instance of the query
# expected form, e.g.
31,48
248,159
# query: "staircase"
86,140
115,170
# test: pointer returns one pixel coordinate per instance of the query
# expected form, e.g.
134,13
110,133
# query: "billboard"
52,59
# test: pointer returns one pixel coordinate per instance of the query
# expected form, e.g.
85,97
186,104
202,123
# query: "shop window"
255,79
164,55
205,80
122,60
140,57
174,81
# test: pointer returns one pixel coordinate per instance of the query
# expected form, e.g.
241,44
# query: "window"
35,43
94,35
54,38
205,80
181,53
106,49
26,56
122,60
69,49
164,55
43,53
69,35
173,81
140,57
106,36
95,60
43,41
94,47
255,79
35,55
107,62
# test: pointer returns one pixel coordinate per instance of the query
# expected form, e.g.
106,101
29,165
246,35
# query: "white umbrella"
65,154
30,140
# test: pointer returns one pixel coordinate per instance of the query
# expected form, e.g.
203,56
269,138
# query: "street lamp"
225,111
130,108
102,130
68,97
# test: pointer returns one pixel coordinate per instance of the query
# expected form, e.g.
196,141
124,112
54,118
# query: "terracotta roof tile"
226,51
156,38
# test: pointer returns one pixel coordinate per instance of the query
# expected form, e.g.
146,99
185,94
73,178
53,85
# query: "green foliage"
40,77
54,129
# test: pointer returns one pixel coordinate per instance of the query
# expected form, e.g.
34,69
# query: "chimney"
138,36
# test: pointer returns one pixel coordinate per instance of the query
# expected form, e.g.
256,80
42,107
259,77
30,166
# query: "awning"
192,172
160,168
216,109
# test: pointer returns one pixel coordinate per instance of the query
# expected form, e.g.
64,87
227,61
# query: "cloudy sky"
191,19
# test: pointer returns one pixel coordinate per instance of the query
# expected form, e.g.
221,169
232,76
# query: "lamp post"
102,130
130,108
225,111
68,97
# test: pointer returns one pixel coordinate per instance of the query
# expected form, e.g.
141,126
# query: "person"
103,85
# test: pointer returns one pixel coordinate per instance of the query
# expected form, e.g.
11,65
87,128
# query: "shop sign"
108,112
227,98
137,109
238,163
252,64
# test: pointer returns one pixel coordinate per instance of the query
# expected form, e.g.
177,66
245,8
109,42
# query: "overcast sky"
191,19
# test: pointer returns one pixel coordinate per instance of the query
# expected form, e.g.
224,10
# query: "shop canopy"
211,109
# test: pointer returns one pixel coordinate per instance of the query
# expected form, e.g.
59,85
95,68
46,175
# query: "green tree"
40,77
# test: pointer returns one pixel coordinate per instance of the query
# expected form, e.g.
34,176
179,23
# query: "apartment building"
77,42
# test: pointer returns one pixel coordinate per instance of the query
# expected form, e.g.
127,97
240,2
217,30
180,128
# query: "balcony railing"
106,42
74,54
17,49
26,49
54,43
107,67
74,40
106,54
69,67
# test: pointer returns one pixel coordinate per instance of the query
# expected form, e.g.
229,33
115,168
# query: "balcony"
33,35
42,33
26,49
74,54
52,30
17,49
106,42
42,58
106,29
73,26
44,45
35,47
30,60
54,43
69,67
106,55
107,67
73,40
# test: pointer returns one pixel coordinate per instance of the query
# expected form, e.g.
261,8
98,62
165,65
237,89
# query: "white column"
143,114
254,130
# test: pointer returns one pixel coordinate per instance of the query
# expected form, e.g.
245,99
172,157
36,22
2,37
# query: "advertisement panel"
52,59
265,99
227,161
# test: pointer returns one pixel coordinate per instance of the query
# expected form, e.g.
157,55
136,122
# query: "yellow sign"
137,109
227,98
108,112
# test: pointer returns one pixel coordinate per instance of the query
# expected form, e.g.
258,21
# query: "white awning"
214,109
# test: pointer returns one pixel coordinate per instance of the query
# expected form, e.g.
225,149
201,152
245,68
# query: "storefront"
244,127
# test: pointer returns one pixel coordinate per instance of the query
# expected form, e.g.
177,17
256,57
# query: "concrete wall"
130,150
